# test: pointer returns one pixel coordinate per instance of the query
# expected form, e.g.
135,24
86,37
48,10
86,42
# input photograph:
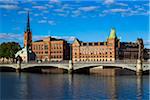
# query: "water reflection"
139,84
72,87
113,88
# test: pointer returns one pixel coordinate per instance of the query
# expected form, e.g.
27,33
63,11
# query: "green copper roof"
112,34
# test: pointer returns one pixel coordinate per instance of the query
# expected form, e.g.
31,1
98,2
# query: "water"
28,86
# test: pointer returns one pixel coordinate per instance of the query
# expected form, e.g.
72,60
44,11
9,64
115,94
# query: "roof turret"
112,34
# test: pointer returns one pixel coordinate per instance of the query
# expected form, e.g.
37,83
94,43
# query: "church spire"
28,23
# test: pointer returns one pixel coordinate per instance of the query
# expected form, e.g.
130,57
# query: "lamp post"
139,68
70,69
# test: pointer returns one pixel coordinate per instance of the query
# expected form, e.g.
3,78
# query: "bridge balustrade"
84,62
107,62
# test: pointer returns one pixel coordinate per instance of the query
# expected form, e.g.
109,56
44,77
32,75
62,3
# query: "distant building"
96,51
146,54
130,50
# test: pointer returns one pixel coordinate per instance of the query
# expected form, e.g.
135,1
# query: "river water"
29,86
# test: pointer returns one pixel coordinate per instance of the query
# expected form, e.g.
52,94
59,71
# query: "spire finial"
28,23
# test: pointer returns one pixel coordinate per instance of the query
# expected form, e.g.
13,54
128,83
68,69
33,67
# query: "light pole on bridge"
139,68
70,69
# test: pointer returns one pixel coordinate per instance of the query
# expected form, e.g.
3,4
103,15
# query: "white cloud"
9,1
27,9
59,10
49,5
51,22
88,8
64,15
122,4
22,12
38,14
76,13
108,2
55,1
40,7
42,21
9,7
67,38
44,17
116,10
10,36
45,11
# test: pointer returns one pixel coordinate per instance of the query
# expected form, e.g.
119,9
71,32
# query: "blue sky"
88,20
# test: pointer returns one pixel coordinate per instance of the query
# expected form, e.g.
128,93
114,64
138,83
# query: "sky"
87,20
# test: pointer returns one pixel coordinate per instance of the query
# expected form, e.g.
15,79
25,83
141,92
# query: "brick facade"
51,49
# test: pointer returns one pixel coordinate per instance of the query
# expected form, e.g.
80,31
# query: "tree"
9,49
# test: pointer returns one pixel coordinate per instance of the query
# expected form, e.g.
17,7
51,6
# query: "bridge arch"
124,66
7,68
44,66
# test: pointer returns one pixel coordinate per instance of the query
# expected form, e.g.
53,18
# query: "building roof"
51,39
38,41
112,34
128,44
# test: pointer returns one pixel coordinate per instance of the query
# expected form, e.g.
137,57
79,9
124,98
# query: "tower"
113,43
28,35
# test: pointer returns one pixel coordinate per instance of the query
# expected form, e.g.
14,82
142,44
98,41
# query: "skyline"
86,20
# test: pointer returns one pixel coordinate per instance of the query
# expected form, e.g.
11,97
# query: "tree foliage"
9,49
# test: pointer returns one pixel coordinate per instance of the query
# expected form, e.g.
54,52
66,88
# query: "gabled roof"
76,41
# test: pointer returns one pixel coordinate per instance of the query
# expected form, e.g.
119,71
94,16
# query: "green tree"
9,49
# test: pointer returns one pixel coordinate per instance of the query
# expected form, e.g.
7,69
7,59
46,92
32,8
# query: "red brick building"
51,49
96,51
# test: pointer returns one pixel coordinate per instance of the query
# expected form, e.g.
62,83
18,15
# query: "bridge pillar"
139,68
18,68
70,69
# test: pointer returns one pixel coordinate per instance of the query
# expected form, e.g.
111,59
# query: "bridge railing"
47,62
83,62
107,62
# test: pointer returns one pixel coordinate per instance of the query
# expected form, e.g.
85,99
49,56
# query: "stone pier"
70,69
139,68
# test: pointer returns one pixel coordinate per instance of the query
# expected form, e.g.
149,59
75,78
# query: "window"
46,52
45,46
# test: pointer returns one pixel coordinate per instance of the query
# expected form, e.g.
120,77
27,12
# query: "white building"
25,55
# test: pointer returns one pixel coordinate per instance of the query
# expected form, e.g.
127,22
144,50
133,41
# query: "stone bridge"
80,65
